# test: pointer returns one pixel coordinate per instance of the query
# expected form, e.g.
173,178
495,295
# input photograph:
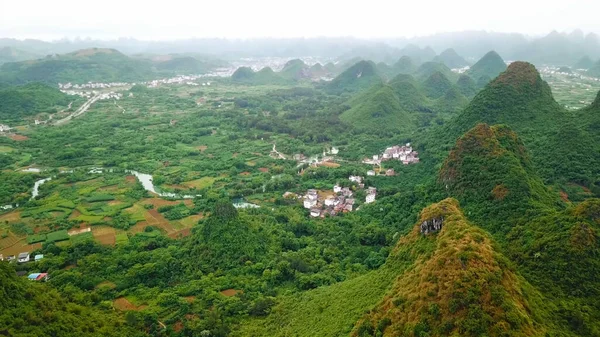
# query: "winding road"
82,109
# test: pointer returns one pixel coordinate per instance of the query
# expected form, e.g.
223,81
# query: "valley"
315,196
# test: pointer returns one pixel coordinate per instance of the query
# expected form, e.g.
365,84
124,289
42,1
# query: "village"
404,154
25,257
331,203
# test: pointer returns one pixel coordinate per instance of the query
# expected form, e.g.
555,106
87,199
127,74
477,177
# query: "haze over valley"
316,169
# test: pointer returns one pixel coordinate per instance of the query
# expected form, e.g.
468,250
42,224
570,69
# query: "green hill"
409,94
242,74
584,63
330,67
436,85
379,110
95,65
264,76
459,285
9,54
519,98
427,69
17,102
404,65
317,70
558,254
360,76
466,85
453,101
451,59
557,140
490,65
490,172
184,65
295,70
34,309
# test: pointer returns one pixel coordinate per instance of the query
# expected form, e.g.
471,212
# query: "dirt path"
120,107
279,154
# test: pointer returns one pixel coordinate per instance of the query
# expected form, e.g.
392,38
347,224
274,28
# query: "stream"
146,181
144,178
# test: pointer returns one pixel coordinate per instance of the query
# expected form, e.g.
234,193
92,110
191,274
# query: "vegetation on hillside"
489,66
30,99
459,285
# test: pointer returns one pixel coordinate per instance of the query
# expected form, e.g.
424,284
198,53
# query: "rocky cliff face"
431,225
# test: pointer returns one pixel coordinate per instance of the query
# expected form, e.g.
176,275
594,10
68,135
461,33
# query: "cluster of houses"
404,153
76,89
182,79
91,85
22,257
4,128
341,201
90,94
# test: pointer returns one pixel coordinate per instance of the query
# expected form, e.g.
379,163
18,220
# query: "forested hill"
95,65
30,99
459,284
488,67
519,98
361,75
100,65
32,309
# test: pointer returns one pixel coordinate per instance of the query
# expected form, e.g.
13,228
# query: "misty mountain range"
554,48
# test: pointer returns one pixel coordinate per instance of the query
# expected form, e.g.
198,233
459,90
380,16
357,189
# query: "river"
144,178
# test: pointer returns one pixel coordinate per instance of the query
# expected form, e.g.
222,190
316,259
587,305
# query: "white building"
310,199
371,194
23,257
315,212
337,188
355,179
308,203
370,173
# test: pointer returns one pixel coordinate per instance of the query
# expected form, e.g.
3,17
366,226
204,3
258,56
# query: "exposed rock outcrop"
431,225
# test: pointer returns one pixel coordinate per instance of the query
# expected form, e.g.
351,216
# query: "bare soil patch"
10,217
104,235
181,234
18,138
230,292
123,304
263,170
330,164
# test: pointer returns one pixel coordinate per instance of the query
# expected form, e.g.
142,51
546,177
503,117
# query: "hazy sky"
176,19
